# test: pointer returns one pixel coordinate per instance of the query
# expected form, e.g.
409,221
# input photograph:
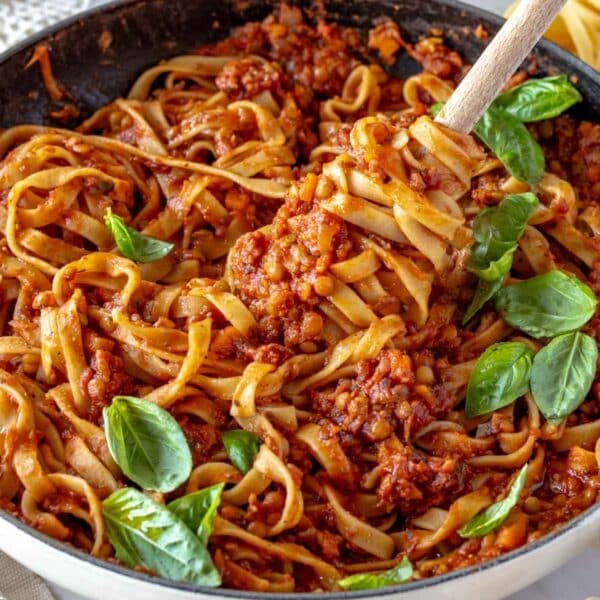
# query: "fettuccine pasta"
317,225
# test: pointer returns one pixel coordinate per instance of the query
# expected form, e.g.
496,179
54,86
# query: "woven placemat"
18,583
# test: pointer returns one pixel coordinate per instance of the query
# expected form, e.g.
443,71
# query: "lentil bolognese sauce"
266,324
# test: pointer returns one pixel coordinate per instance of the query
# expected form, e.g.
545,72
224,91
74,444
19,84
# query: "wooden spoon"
499,61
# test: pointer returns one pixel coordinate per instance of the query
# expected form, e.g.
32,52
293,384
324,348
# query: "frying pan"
144,32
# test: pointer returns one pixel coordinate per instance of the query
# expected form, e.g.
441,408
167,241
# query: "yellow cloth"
577,29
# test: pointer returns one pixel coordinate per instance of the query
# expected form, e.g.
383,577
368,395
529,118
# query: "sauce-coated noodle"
322,224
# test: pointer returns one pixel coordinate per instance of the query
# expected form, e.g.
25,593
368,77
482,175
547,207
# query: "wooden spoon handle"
498,62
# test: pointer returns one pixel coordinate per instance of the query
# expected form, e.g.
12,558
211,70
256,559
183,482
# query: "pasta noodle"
321,224
577,28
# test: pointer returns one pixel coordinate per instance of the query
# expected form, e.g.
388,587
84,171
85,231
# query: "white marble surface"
577,580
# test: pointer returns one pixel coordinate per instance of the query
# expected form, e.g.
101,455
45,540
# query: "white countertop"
577,580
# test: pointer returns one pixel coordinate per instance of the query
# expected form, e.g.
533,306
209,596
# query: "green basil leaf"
147,443
501,375
539,99
434,110
505,222
562,374
401,573
198,510
493,516
147,534
133,244
495,268
512,143
484,252
241,447
547,305
496,232
484,292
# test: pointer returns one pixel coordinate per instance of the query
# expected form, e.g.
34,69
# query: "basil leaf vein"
401,573
198,510
146,533
133,244
539,99
563,373
501,375
547,305
493,516
241,447
512,143
147,443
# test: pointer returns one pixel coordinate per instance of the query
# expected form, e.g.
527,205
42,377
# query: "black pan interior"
144,32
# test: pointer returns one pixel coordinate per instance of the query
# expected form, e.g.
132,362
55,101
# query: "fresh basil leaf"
434,110
562,374
495,268
198,510
484,252
512,143
496,231
493,516
484,292
501,375
401,573
133,244
547,305
505,222
147,534
147,443
539,99
241,447
501,127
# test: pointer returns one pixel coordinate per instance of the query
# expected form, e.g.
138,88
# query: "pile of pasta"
577,29
313,298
